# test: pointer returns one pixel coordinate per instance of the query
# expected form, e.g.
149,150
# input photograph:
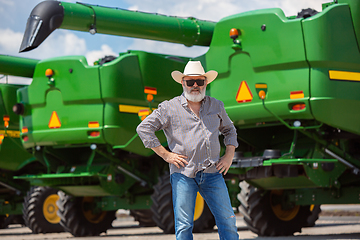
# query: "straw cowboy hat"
194,68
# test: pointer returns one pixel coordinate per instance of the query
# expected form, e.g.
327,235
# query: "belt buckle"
204,166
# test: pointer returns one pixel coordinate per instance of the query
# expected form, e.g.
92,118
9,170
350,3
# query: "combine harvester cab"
81,120
290,85
35,206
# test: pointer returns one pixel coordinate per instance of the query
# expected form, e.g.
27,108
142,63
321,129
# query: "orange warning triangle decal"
244,94
54,121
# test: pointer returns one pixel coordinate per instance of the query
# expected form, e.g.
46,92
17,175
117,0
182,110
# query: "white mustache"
195,88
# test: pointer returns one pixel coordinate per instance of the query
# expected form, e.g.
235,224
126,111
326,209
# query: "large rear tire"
39,210
163,213
78,218
266,218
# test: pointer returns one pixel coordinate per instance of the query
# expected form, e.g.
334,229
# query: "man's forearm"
160,151
230,149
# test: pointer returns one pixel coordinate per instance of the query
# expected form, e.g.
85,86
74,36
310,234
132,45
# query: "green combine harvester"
21,203
290,85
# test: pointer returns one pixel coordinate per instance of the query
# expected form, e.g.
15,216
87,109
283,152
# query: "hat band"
193,74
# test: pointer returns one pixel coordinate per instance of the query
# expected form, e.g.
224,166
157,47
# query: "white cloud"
95,55
9,40
60,43
215,10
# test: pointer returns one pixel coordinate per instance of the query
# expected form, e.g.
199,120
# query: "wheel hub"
50,209
279,211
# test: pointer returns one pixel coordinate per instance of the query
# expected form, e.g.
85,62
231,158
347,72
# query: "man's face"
193,92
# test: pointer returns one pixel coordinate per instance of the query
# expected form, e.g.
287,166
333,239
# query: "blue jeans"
213,189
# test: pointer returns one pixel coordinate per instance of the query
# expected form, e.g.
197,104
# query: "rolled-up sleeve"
156,121
227,128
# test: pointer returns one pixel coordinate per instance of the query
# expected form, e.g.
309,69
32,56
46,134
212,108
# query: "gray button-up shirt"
189,135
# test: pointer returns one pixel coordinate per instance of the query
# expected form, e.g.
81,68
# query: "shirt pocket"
212,122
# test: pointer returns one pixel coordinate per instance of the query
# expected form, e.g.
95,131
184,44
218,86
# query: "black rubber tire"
163,213
144,217
33,212
260,218
2,222
74,221
243,197
314,216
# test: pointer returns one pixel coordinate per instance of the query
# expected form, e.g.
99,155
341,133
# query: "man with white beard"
191,123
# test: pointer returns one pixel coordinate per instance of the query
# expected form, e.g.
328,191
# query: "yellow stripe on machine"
131,109
10,133
343,75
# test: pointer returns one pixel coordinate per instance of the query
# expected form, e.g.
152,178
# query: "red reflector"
94,134
24,130
150,90
25,138
299,107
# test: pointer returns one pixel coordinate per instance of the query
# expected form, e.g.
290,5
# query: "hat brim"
210,76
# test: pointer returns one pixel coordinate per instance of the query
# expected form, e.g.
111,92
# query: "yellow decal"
344,75
54,121
244,94
131,109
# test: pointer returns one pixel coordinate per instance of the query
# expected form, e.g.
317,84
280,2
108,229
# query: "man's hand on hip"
225,161
176,159
170,157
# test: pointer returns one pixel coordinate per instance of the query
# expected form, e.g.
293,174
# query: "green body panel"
12,154
344,195
264,58
14,158
333,102
80,94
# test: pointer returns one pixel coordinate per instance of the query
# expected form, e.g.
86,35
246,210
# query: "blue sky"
14,14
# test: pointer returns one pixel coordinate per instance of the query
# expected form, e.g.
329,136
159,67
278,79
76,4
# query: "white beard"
194,96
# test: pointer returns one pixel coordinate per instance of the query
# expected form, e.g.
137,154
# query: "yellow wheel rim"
89,215
50,208
284,215
199,206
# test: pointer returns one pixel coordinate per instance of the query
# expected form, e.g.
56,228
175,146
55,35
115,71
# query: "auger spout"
50,15
17,66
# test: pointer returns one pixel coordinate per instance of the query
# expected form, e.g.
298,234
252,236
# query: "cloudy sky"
14,14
